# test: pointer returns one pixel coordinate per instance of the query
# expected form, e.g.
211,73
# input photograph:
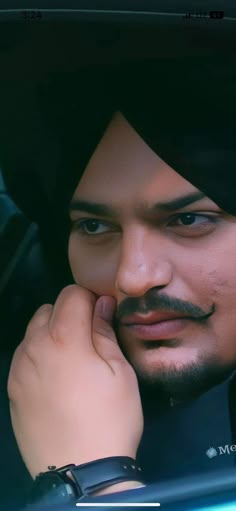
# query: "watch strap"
99,474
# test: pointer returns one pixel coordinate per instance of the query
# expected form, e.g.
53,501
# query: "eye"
193,224
186,219
91,226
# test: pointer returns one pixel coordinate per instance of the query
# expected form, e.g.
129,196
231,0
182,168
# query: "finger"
39,319
12,383
20,372
71,319
104,337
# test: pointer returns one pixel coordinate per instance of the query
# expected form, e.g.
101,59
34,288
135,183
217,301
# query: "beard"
179,384
182,384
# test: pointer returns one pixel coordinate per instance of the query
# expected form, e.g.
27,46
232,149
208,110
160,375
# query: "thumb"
103,315
104,337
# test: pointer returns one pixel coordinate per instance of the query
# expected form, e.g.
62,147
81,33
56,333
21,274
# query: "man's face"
144,235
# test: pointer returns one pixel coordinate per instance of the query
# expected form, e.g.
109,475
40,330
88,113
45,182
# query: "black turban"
183,106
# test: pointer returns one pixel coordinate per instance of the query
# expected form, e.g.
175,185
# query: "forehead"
124,166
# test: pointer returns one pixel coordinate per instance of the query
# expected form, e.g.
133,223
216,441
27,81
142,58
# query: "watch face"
51,488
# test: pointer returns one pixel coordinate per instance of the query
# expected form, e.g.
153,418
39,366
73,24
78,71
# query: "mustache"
157,302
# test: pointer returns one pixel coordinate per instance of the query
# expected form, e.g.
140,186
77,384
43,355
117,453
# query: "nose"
143,264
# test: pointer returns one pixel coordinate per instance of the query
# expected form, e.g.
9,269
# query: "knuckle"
73,305
39,318
75,292
29,348
44,310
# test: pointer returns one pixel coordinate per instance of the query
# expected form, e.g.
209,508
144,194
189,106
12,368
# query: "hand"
74,398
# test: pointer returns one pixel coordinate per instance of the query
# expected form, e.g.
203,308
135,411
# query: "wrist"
98,477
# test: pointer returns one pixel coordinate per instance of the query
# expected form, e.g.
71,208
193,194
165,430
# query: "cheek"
217,282
98,278
223,323
224,287
222,274
208,279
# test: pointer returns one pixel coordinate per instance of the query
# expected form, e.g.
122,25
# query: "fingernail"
106,308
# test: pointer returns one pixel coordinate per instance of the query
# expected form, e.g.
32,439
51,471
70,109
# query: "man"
149,329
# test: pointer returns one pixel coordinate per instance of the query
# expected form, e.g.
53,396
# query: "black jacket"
191,438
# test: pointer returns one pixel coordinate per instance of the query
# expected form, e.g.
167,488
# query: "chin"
180,373
158,358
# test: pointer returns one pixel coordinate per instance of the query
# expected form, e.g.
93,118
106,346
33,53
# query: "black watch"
55,486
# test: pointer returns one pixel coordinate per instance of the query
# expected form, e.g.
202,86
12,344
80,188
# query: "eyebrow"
179,202
99,209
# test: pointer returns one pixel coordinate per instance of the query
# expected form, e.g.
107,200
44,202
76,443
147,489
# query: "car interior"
42,42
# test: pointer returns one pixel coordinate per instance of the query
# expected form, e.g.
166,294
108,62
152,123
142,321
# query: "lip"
165,329
151,318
